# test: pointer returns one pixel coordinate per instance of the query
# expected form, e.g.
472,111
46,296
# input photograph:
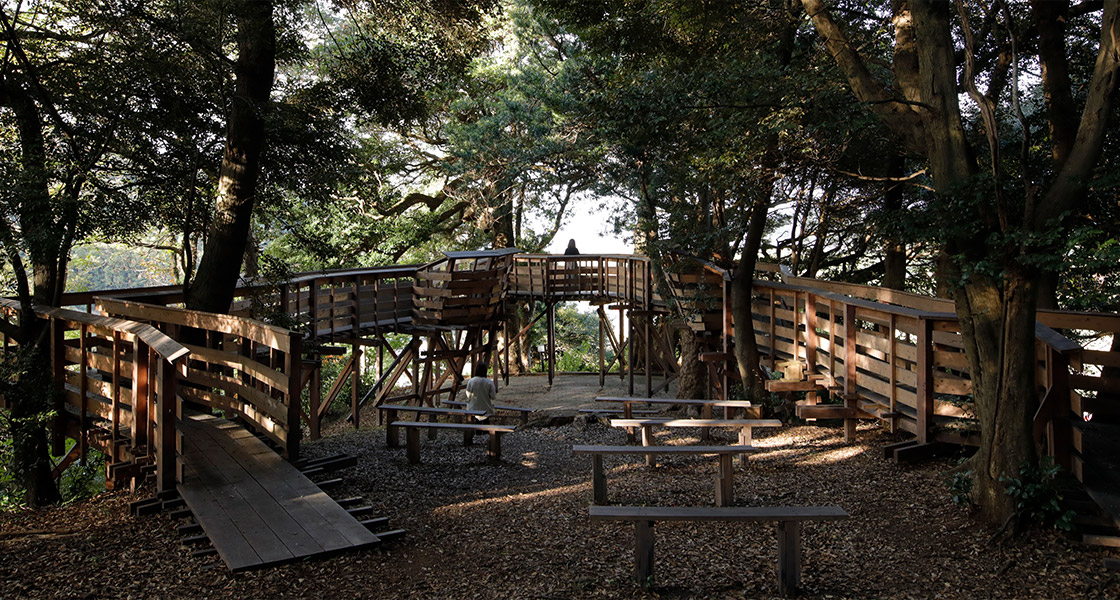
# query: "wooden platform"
256,508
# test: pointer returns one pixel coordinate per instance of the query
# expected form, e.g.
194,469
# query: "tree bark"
218,270
746,352
997,316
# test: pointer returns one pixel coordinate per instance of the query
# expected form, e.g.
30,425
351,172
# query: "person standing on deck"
481,393
571,249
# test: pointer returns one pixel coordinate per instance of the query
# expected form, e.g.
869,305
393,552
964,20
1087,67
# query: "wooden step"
375,523
388,536
1107,541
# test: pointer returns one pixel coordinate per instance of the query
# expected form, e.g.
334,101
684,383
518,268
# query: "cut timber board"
256,508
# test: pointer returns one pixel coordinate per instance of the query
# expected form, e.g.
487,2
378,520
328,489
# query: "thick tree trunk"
29,396
216,280
746,352
693,381
997,322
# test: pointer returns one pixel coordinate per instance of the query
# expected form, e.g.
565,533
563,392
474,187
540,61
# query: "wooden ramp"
256,508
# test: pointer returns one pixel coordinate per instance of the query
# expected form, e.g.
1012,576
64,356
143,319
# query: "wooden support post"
722,369
773,354
598,480
789,557
602,351
140,395
58,368
115,411
647,322
315,400
1059,432
643,557
925,379
167,436
551,342
812,340
851,356
892,423
83,390
623,358
293,364
630,353
355,375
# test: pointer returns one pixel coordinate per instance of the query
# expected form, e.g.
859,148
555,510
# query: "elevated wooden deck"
256,508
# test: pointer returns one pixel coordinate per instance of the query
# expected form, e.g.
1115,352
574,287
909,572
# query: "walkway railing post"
58,368
168,412
293,366
925,379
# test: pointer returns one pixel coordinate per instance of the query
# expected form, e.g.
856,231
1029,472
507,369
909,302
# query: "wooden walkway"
256,508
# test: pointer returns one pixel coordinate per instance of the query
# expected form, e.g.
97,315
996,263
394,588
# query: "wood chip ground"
520,530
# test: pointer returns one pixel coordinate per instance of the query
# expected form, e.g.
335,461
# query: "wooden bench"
743,425
618,411
725,474
744,406
788,518
392,432
412,429
520,412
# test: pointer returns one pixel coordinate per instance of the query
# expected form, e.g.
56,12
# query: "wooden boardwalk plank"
289,539
255,507
316,513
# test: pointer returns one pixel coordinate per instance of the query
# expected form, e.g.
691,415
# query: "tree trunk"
693,380
216,280
997,322
29,395
894,251
746,352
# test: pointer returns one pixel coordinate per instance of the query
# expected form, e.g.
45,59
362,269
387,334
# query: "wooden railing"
117,384
889,354
245,368
551,277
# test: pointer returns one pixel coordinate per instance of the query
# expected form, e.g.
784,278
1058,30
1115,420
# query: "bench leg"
643,557
745,436
432,432
705,413
598,480
789,557
468,437
413,450
392,434
725,481
494,449
647,440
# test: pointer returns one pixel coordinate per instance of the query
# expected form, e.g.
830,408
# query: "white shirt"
480,396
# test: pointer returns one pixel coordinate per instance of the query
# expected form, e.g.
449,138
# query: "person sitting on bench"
481,393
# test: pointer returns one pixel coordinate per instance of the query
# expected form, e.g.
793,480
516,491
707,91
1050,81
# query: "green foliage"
960,488
1037,495
577,340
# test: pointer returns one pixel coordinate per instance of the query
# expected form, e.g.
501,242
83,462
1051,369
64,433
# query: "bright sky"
589,227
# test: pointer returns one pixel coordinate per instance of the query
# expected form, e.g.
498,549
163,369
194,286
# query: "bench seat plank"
585,449
744,425
712,513
725,474
391,434
493,451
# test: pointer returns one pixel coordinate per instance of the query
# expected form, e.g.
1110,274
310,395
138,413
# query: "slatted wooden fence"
117,382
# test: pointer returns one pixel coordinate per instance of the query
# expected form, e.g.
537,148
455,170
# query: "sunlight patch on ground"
508,498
